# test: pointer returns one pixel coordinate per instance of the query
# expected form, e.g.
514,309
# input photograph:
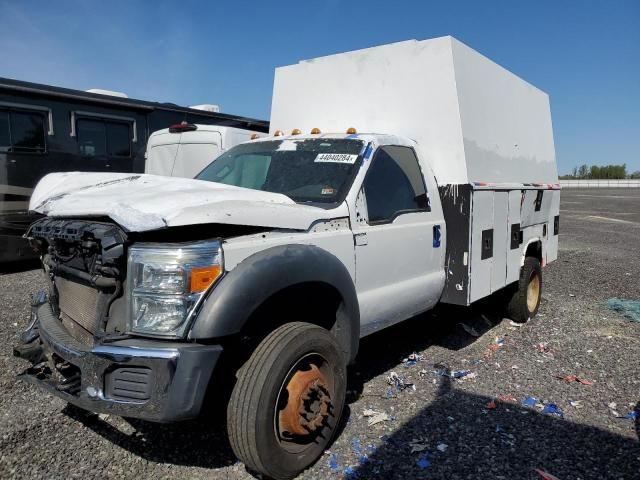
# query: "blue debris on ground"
423,462
553,409
630,309
333,462
529,402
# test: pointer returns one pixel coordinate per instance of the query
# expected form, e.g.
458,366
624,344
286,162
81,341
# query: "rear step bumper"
153,380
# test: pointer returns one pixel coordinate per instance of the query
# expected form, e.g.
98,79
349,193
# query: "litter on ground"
553,409
507,398
470,330
397,381
573,378
630,309
418,445
423,462
378,418
412,359
546,475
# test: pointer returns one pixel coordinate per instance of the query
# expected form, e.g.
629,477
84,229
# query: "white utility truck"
184,149
426,173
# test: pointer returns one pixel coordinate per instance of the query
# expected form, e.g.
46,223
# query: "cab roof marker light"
315,131
351,131
277,133
254,136
296,131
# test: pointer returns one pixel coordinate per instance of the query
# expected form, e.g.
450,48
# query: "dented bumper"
152,380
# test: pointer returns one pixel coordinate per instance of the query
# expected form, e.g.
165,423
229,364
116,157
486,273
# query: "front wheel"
287,401
527,293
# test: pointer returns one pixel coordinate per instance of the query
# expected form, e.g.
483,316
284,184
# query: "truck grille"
80,308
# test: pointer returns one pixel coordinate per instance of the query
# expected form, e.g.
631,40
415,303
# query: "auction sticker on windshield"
336,158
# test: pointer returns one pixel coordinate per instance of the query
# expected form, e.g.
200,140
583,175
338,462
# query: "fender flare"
526,247
242,290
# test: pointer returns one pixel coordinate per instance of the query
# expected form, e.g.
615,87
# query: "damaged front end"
77,340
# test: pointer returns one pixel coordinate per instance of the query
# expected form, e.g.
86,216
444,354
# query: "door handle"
436,236
360,239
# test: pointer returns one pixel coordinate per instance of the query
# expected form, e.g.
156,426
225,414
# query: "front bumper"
151,380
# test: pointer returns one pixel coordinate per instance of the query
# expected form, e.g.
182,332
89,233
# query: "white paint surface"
472,120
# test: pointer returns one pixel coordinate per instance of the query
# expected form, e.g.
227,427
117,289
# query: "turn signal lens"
296,131
315,131
351,131
203,277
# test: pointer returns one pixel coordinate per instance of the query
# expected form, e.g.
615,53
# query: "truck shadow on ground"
509,442
196,443
204,443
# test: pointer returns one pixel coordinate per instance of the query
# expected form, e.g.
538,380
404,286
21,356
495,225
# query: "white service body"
185,154
477,125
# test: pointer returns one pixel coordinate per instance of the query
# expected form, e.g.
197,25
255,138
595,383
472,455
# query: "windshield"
307,170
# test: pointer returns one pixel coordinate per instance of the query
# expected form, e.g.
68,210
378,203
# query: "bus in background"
46,129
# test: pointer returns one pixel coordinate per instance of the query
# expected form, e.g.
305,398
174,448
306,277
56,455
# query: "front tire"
287,401
525,300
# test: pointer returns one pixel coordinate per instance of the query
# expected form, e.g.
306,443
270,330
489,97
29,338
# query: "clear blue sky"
585,54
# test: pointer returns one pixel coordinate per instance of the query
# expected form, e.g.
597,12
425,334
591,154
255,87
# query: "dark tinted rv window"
5,141
394,185
91,137
27,132
100,137
118,141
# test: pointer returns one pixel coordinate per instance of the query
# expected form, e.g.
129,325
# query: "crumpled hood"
139,202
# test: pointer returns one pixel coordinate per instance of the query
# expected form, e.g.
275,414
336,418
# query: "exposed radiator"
79,303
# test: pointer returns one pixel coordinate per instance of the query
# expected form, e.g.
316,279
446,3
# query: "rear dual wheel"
287,401
525,300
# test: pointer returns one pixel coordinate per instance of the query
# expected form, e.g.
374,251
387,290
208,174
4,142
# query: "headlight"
165,283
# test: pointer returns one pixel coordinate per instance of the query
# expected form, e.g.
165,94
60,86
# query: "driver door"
399,271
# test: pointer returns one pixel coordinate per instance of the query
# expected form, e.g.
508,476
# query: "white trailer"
184,149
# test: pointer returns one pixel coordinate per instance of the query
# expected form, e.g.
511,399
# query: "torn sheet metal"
149,202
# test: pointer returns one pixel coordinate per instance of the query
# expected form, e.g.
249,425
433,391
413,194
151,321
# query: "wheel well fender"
268,274
532,249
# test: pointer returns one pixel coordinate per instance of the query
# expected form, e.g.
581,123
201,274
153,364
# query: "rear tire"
287,401
525,300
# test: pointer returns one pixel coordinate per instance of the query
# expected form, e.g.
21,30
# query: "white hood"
148,202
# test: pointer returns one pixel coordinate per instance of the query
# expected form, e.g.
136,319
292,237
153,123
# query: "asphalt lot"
450,422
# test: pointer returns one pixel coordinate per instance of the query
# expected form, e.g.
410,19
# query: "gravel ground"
458,428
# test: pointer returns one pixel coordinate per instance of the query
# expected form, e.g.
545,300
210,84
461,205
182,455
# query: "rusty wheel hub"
308,403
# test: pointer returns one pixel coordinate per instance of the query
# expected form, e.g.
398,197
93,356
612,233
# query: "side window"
22,131
394,184
98,137
5,139
91,138
118,139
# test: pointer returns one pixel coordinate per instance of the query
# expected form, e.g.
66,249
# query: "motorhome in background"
184,149
46,129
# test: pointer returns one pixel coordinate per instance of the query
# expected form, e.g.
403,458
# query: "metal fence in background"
600,183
